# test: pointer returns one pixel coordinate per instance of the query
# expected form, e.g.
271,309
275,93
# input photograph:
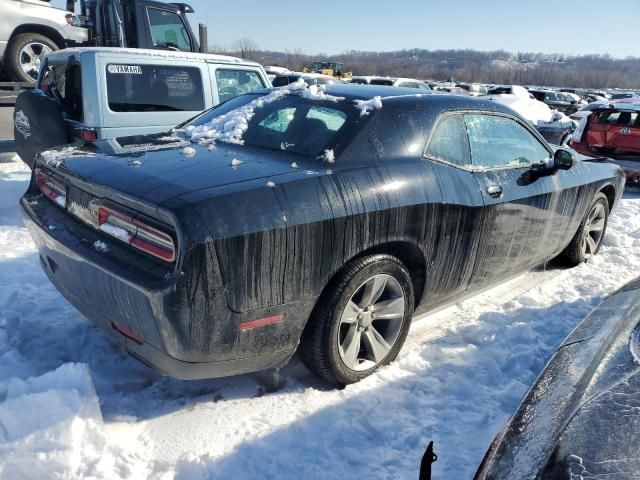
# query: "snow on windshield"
230,127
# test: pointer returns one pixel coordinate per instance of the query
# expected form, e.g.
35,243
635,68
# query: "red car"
612,130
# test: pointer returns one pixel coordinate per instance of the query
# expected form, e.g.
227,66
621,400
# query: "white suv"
90,93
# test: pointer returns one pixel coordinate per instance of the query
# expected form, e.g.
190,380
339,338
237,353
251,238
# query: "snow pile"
54,157
230,127
313,92
116,231
47,423
535,111
235,162
189,152
100,246
366,106
328,156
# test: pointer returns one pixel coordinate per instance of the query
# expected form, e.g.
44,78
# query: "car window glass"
168,30
293,124
279,120
497,141
609,117
332,119
232,83
62,82
449,141
378,81
154,88
282,80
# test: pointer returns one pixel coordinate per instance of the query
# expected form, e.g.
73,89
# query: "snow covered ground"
72,405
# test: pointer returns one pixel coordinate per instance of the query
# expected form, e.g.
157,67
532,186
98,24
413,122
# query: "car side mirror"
563,159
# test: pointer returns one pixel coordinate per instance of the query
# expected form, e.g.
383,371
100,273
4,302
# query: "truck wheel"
24,55
360,322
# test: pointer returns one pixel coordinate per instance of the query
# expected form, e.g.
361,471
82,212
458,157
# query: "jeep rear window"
154,88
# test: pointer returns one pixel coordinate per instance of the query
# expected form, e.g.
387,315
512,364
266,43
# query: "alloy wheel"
371,322
31,56
593,230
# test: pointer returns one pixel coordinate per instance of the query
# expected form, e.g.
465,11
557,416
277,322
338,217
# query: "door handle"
494,191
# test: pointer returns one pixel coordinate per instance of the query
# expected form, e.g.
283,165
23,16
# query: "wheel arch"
405,250
45,30
609,192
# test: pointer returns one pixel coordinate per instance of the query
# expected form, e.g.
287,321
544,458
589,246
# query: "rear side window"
63,82
282,80
154,88
232,83
168,30
449,141
502,142
378,81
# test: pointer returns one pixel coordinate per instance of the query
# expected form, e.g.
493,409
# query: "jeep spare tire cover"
38,125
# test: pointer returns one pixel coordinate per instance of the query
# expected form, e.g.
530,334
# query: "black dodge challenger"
317,221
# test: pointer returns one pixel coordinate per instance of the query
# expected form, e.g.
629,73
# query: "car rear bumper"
163,337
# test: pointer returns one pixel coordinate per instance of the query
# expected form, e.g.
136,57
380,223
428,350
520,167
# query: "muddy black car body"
579,420
262,237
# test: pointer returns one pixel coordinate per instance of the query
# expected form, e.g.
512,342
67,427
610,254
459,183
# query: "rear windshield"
154,88
292,124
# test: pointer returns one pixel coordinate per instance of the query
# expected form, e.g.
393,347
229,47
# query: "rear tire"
588,239
25,54
360,322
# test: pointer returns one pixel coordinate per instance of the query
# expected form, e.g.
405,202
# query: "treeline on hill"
498,67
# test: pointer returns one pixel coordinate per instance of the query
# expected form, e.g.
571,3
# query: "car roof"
438,100
628,105
154,53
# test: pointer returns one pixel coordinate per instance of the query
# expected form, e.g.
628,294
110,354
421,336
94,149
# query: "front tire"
588,239
25,54
360,322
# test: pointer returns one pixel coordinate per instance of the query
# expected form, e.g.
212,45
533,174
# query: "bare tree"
245,48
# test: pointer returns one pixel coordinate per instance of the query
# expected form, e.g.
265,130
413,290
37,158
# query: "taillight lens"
136,233
88,135
51,188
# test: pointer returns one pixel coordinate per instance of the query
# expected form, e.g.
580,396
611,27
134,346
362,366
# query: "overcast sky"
334,26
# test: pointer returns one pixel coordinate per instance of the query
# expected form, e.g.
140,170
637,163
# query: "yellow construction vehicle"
332,69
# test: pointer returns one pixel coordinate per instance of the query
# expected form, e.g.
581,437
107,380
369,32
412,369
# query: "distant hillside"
592,71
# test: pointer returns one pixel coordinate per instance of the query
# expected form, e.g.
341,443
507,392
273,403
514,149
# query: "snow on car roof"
154,53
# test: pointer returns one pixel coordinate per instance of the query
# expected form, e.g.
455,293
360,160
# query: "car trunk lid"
157,169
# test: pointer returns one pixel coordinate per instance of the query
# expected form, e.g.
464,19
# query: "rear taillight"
136,233
51,188
88,135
